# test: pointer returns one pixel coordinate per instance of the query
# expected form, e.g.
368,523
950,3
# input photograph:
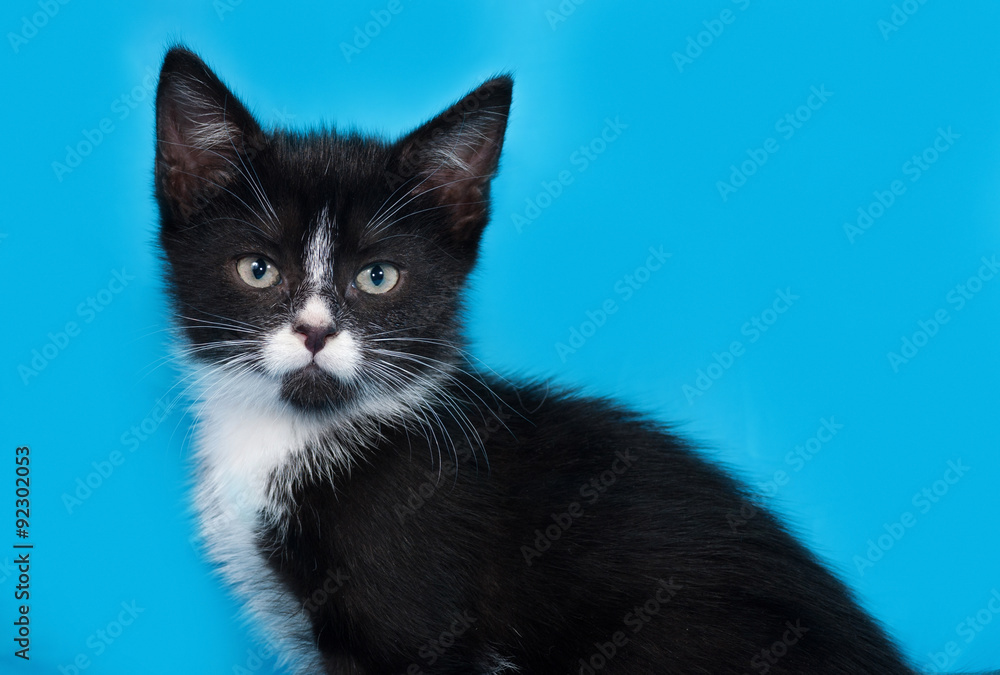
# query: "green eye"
258,271
377,279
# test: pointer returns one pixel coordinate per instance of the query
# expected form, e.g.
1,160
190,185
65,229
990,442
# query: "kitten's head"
319,270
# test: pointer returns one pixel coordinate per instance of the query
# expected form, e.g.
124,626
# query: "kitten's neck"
250,442
244,440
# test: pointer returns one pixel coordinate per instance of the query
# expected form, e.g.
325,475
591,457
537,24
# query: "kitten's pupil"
377,275
259,268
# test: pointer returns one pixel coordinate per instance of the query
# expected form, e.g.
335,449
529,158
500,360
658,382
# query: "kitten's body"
380,507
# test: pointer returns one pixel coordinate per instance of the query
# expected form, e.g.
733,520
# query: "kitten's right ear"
203,133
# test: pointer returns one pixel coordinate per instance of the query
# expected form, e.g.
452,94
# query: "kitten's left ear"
453,157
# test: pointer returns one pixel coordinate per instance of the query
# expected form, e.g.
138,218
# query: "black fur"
522,530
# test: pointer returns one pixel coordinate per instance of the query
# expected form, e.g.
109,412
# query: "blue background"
656,184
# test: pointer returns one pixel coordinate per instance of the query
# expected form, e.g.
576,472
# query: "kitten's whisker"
200,373
216,326
217,316
235,329
375,228
392,380
413,194
241,221
390,224
469,357
379,210
213,183
429,362
389,332
373,223
450,404
391,377
182,352
255,185
240,171
458,135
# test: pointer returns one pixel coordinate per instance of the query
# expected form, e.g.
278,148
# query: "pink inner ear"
456,170
463,195
202,131
191,174
454,156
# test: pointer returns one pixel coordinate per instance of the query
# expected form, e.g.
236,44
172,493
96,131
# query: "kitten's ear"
202,132
454,156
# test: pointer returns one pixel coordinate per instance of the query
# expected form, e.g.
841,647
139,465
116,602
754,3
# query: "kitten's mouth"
312,388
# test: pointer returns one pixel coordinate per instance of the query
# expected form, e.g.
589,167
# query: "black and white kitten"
383,508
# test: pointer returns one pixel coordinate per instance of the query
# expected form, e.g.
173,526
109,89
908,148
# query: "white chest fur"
250,449
240,448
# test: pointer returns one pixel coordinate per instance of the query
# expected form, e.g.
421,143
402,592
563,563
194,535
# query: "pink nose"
315,335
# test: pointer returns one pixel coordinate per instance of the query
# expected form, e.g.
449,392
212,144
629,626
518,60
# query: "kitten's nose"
315,335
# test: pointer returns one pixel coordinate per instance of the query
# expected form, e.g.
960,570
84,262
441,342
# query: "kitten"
380,506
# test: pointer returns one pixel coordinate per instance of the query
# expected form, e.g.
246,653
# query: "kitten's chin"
311,389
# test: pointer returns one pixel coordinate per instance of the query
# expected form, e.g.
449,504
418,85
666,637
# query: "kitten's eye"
378,278
258,271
